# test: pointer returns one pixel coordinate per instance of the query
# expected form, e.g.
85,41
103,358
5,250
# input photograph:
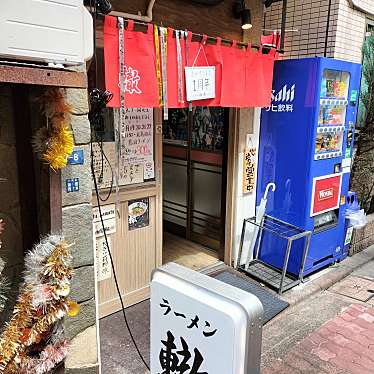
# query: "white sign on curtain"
200,82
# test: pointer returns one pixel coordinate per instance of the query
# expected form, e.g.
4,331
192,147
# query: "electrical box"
59,32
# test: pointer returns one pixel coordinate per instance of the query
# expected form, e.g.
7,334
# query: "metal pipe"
285,265
195,35
283,28
305,253
138,17
327,28
238,260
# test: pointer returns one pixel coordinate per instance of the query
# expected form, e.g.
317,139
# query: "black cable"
104,156
98,100
327,29
112,263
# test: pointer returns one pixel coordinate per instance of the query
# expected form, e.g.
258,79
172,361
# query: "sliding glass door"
194,174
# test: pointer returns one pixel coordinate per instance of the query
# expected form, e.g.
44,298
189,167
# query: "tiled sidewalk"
344,344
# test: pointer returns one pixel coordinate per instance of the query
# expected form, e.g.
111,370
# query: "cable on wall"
98,102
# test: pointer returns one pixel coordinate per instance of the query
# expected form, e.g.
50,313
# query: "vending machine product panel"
306,140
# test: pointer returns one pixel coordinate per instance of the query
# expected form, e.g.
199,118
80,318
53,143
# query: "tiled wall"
350,33
307,22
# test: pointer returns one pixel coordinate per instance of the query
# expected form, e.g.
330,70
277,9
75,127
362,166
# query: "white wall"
350,32
245,203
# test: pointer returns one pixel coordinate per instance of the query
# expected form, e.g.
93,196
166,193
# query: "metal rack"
273,277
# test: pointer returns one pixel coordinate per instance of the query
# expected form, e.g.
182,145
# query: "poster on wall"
131,174
108,213
136,145
104,166
104,267
137,135
249,170
138,213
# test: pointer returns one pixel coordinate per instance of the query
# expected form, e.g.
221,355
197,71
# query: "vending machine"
306,141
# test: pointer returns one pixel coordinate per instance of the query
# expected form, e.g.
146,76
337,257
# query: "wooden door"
136,252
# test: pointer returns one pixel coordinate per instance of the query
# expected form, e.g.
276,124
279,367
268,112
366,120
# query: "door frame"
231,187
226,251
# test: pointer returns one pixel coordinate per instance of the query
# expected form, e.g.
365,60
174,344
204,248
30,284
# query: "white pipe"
137,17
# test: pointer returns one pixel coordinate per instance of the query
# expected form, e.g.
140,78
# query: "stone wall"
363,238
77,229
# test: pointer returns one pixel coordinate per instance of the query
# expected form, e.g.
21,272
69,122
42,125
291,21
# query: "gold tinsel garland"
42,303
4,285
54,143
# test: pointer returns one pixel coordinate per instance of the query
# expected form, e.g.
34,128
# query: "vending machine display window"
335,84
332,114
328,145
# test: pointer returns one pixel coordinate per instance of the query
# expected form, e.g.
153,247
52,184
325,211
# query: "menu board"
134,163
136,140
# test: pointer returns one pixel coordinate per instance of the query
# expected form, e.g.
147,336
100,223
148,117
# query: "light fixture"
103,6
240,10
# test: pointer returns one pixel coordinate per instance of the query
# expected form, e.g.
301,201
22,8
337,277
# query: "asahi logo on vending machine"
282,100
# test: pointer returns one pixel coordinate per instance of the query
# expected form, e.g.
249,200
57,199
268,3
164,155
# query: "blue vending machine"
306,140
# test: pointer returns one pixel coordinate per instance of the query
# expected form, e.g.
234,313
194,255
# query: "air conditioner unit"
53,31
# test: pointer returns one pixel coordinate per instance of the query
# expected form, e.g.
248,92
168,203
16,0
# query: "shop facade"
194,195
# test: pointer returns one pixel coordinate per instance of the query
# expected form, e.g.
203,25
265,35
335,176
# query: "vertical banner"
249,170
104,267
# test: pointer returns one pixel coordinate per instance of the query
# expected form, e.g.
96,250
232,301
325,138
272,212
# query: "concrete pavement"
305,338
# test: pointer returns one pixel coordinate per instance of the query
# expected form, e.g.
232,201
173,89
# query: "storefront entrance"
194,185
